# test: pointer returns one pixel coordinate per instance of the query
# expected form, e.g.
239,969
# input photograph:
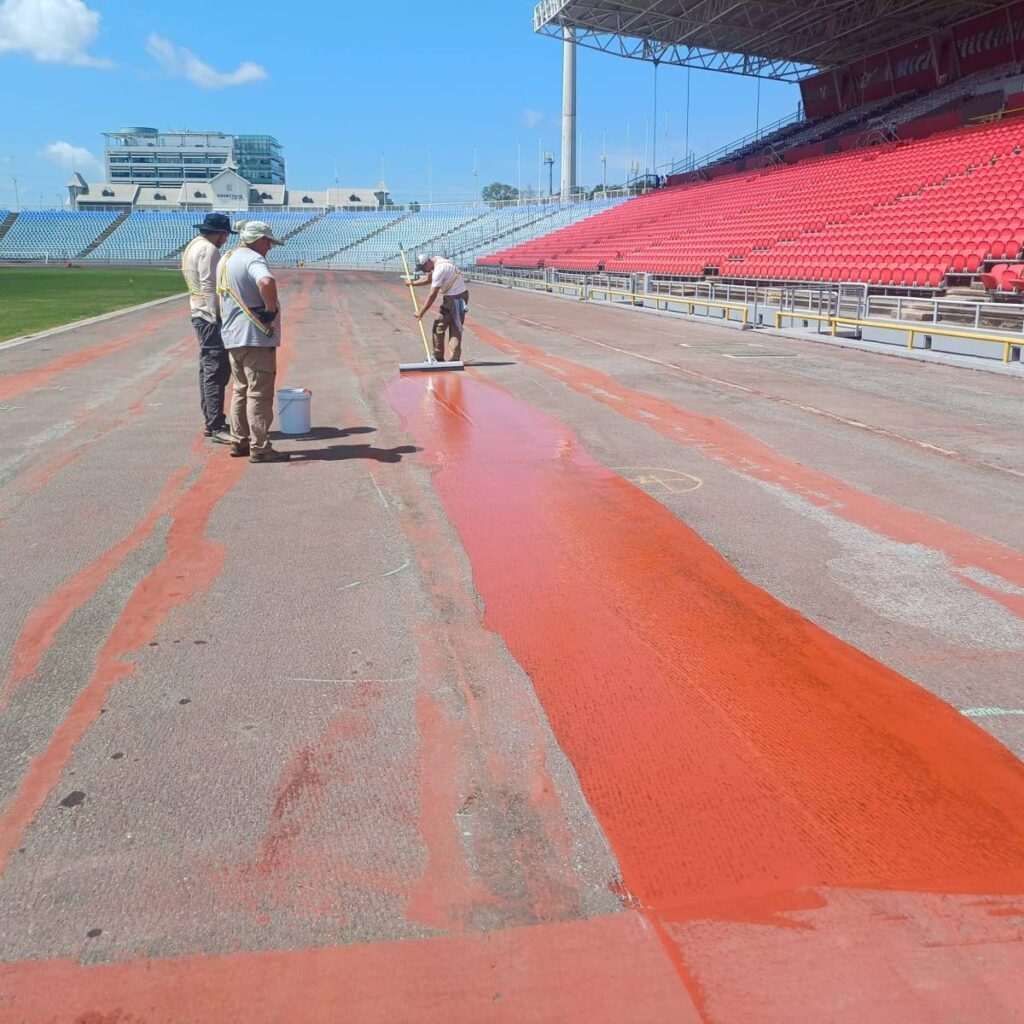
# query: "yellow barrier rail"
912,330
789,314
943,332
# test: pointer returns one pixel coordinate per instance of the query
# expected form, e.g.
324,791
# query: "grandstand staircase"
5,226
429,242
305,224
104,234
488,242
366,237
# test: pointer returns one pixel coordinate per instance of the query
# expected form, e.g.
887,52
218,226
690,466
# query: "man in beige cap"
251,331
445,279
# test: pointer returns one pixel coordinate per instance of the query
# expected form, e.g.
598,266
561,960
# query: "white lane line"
991,712
357,679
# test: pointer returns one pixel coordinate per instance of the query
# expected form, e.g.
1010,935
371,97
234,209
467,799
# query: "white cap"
423,258
253,230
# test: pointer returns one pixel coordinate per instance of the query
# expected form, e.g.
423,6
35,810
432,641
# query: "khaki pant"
449,322
253,372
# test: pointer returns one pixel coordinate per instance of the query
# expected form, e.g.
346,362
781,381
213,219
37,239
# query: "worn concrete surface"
646,671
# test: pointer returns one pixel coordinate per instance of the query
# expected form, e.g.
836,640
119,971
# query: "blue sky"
347,86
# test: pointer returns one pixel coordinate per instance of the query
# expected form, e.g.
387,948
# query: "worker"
251,315
445,279
199,268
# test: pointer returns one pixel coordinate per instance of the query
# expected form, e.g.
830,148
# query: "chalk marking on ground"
394,572
672,480
380,493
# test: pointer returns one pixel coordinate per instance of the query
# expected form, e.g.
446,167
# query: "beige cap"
252,230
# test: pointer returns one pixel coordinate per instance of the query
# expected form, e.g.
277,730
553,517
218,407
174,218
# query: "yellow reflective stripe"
223,288
184,273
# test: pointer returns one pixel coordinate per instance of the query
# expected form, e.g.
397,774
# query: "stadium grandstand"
618,624
900,177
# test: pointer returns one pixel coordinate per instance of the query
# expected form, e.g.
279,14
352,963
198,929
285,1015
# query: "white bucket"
294,410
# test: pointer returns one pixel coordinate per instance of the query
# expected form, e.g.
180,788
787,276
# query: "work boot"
270,455
239,449
221,436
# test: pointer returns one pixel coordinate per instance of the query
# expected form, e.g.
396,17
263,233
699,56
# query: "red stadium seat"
849,216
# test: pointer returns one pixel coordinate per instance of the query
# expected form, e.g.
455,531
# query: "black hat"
214,222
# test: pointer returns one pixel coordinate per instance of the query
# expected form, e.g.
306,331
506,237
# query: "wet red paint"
739,451
14,384
463,739
738,757
608,970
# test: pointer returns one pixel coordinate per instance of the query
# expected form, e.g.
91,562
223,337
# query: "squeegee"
431,363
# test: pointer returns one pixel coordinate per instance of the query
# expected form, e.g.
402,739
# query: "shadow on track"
322,433
340,452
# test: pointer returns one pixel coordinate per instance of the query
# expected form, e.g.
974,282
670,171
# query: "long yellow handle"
416,307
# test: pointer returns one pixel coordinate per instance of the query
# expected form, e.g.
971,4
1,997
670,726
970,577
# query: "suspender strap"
224,288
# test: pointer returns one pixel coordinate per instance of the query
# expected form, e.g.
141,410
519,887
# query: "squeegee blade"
411,367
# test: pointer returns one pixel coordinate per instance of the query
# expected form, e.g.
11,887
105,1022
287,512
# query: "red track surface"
797,831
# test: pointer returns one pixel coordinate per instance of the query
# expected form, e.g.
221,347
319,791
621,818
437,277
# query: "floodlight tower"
568,112
549,163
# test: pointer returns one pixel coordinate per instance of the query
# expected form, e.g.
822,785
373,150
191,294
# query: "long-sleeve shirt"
199,268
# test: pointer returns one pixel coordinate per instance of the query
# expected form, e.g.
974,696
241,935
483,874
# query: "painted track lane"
320,763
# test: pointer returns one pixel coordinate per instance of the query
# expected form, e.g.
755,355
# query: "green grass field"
33,299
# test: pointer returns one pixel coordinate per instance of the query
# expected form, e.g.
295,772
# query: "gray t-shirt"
242,269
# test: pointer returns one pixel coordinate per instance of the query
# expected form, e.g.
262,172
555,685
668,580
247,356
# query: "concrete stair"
104,234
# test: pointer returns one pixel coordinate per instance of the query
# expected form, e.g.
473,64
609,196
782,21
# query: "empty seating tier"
901,213
52,234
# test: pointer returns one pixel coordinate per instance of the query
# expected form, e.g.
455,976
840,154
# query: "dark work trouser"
450,321
214,373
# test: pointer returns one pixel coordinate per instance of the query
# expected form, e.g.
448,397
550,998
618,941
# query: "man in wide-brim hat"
199,267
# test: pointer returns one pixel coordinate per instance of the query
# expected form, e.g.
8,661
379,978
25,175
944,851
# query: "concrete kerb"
878,348
74,325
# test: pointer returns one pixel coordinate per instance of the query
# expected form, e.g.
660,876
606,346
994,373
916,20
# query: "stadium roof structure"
782,39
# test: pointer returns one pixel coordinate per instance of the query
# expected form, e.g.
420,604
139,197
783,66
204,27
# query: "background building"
147,156
152,170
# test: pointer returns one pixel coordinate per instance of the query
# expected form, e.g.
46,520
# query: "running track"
645,672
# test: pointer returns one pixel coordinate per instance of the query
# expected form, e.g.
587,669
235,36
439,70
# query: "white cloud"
531,118
58,31
182,63
71,157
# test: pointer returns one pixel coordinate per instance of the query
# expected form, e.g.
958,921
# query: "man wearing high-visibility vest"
251,318
445,279
199,268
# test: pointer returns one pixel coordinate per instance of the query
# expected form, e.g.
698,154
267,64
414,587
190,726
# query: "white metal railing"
692,163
